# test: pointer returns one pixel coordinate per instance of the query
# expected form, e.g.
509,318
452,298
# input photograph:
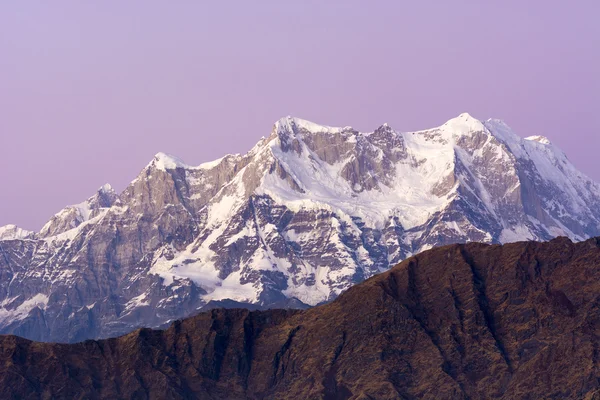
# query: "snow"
539,139
203,273
408,198
84,210
462,124
324,187
404,198
11,232
552,165
518,233
72,233
164,161
212,164
8,300
106,188
505,134
135,302
454,226
289,124
22,311
221,210
431,156
78,213
230,288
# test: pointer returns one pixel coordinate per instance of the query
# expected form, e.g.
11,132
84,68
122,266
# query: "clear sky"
90,91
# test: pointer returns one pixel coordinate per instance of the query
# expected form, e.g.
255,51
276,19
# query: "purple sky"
90,91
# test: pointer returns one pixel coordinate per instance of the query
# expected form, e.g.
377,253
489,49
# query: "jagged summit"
106,188
293,125
12,232
164,161
306,213
464,123
75,215
287,129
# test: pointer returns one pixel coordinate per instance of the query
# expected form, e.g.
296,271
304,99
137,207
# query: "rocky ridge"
473,321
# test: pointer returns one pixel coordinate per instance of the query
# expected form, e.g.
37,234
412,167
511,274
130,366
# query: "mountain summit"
309,211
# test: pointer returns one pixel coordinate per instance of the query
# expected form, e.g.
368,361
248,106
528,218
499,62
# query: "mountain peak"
106,188
104,197
384,127
164,161
74,215
464,123
294,125
304,214
11,231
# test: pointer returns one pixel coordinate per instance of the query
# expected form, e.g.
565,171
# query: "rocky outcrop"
304,215
474,321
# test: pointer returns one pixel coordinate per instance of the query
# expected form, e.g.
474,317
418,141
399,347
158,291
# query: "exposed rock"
474,321
305,214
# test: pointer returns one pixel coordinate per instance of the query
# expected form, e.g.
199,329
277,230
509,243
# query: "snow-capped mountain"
8,232
72,216
305,214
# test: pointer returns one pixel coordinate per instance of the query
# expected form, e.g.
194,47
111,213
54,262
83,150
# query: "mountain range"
471,321
307,213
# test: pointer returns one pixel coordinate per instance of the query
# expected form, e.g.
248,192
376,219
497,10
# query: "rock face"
304,215
474,321
73,216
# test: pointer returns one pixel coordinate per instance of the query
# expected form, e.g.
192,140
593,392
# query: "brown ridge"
474,321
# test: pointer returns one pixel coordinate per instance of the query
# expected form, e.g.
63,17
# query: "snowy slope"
306,213
11,232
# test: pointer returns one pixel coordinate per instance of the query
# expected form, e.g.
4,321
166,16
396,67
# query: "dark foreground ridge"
475,321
